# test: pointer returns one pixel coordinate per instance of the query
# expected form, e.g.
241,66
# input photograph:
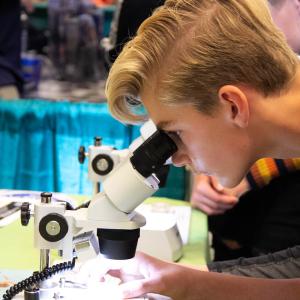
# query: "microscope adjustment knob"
81,154
25,213
102,164
97,141
46,197
53,227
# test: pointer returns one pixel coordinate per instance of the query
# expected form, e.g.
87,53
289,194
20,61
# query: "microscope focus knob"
102,164
81,154
25,213
53,227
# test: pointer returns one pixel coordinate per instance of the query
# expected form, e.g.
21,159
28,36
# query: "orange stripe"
256,175
296,162
264,171
272,167
290,165
268,169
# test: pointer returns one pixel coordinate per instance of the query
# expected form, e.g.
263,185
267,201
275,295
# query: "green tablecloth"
17,251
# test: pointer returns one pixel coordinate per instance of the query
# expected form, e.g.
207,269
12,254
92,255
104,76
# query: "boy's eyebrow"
163,125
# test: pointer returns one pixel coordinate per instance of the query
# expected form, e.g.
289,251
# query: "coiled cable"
37,277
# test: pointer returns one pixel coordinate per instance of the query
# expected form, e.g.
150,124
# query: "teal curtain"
39,142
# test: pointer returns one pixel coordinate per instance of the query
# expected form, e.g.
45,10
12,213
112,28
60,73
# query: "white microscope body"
111,211
102,159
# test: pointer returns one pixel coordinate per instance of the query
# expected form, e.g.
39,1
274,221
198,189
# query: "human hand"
145,274
212,198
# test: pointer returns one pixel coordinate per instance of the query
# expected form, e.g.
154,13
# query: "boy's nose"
180,159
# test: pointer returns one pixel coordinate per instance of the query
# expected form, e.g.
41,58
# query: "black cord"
37,277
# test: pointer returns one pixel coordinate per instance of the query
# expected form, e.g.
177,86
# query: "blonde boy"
219,77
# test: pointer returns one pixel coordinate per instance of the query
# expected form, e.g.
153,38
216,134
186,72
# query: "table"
19,258
17,251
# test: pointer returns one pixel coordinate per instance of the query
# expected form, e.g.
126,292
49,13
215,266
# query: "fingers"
98,267
210,211
220,202
115,273
211,190
134,288
140,288
140,275
211,197
212,208
215,184
93,266
218,197
146,274
124,276
132,269
211,202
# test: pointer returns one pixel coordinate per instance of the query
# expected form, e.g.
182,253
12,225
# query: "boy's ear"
236,103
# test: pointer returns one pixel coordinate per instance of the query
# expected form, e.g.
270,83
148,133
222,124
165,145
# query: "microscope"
161,223
111,211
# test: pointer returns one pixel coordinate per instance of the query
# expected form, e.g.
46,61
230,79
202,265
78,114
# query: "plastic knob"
81,154
97,141
25,213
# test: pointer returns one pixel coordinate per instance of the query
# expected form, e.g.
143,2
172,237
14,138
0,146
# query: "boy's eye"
175,135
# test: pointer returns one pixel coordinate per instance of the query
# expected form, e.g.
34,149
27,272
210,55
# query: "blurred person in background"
286,14
128,16
11,80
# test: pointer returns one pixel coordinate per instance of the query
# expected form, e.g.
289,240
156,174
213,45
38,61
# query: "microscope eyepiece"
153,153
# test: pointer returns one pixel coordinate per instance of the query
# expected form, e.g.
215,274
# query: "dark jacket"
10,43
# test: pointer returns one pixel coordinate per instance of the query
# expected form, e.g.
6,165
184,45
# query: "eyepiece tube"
153,153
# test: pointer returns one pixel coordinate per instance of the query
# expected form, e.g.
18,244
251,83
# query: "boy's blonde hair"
188,49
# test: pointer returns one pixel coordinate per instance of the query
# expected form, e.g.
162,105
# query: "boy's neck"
286,114
276,122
